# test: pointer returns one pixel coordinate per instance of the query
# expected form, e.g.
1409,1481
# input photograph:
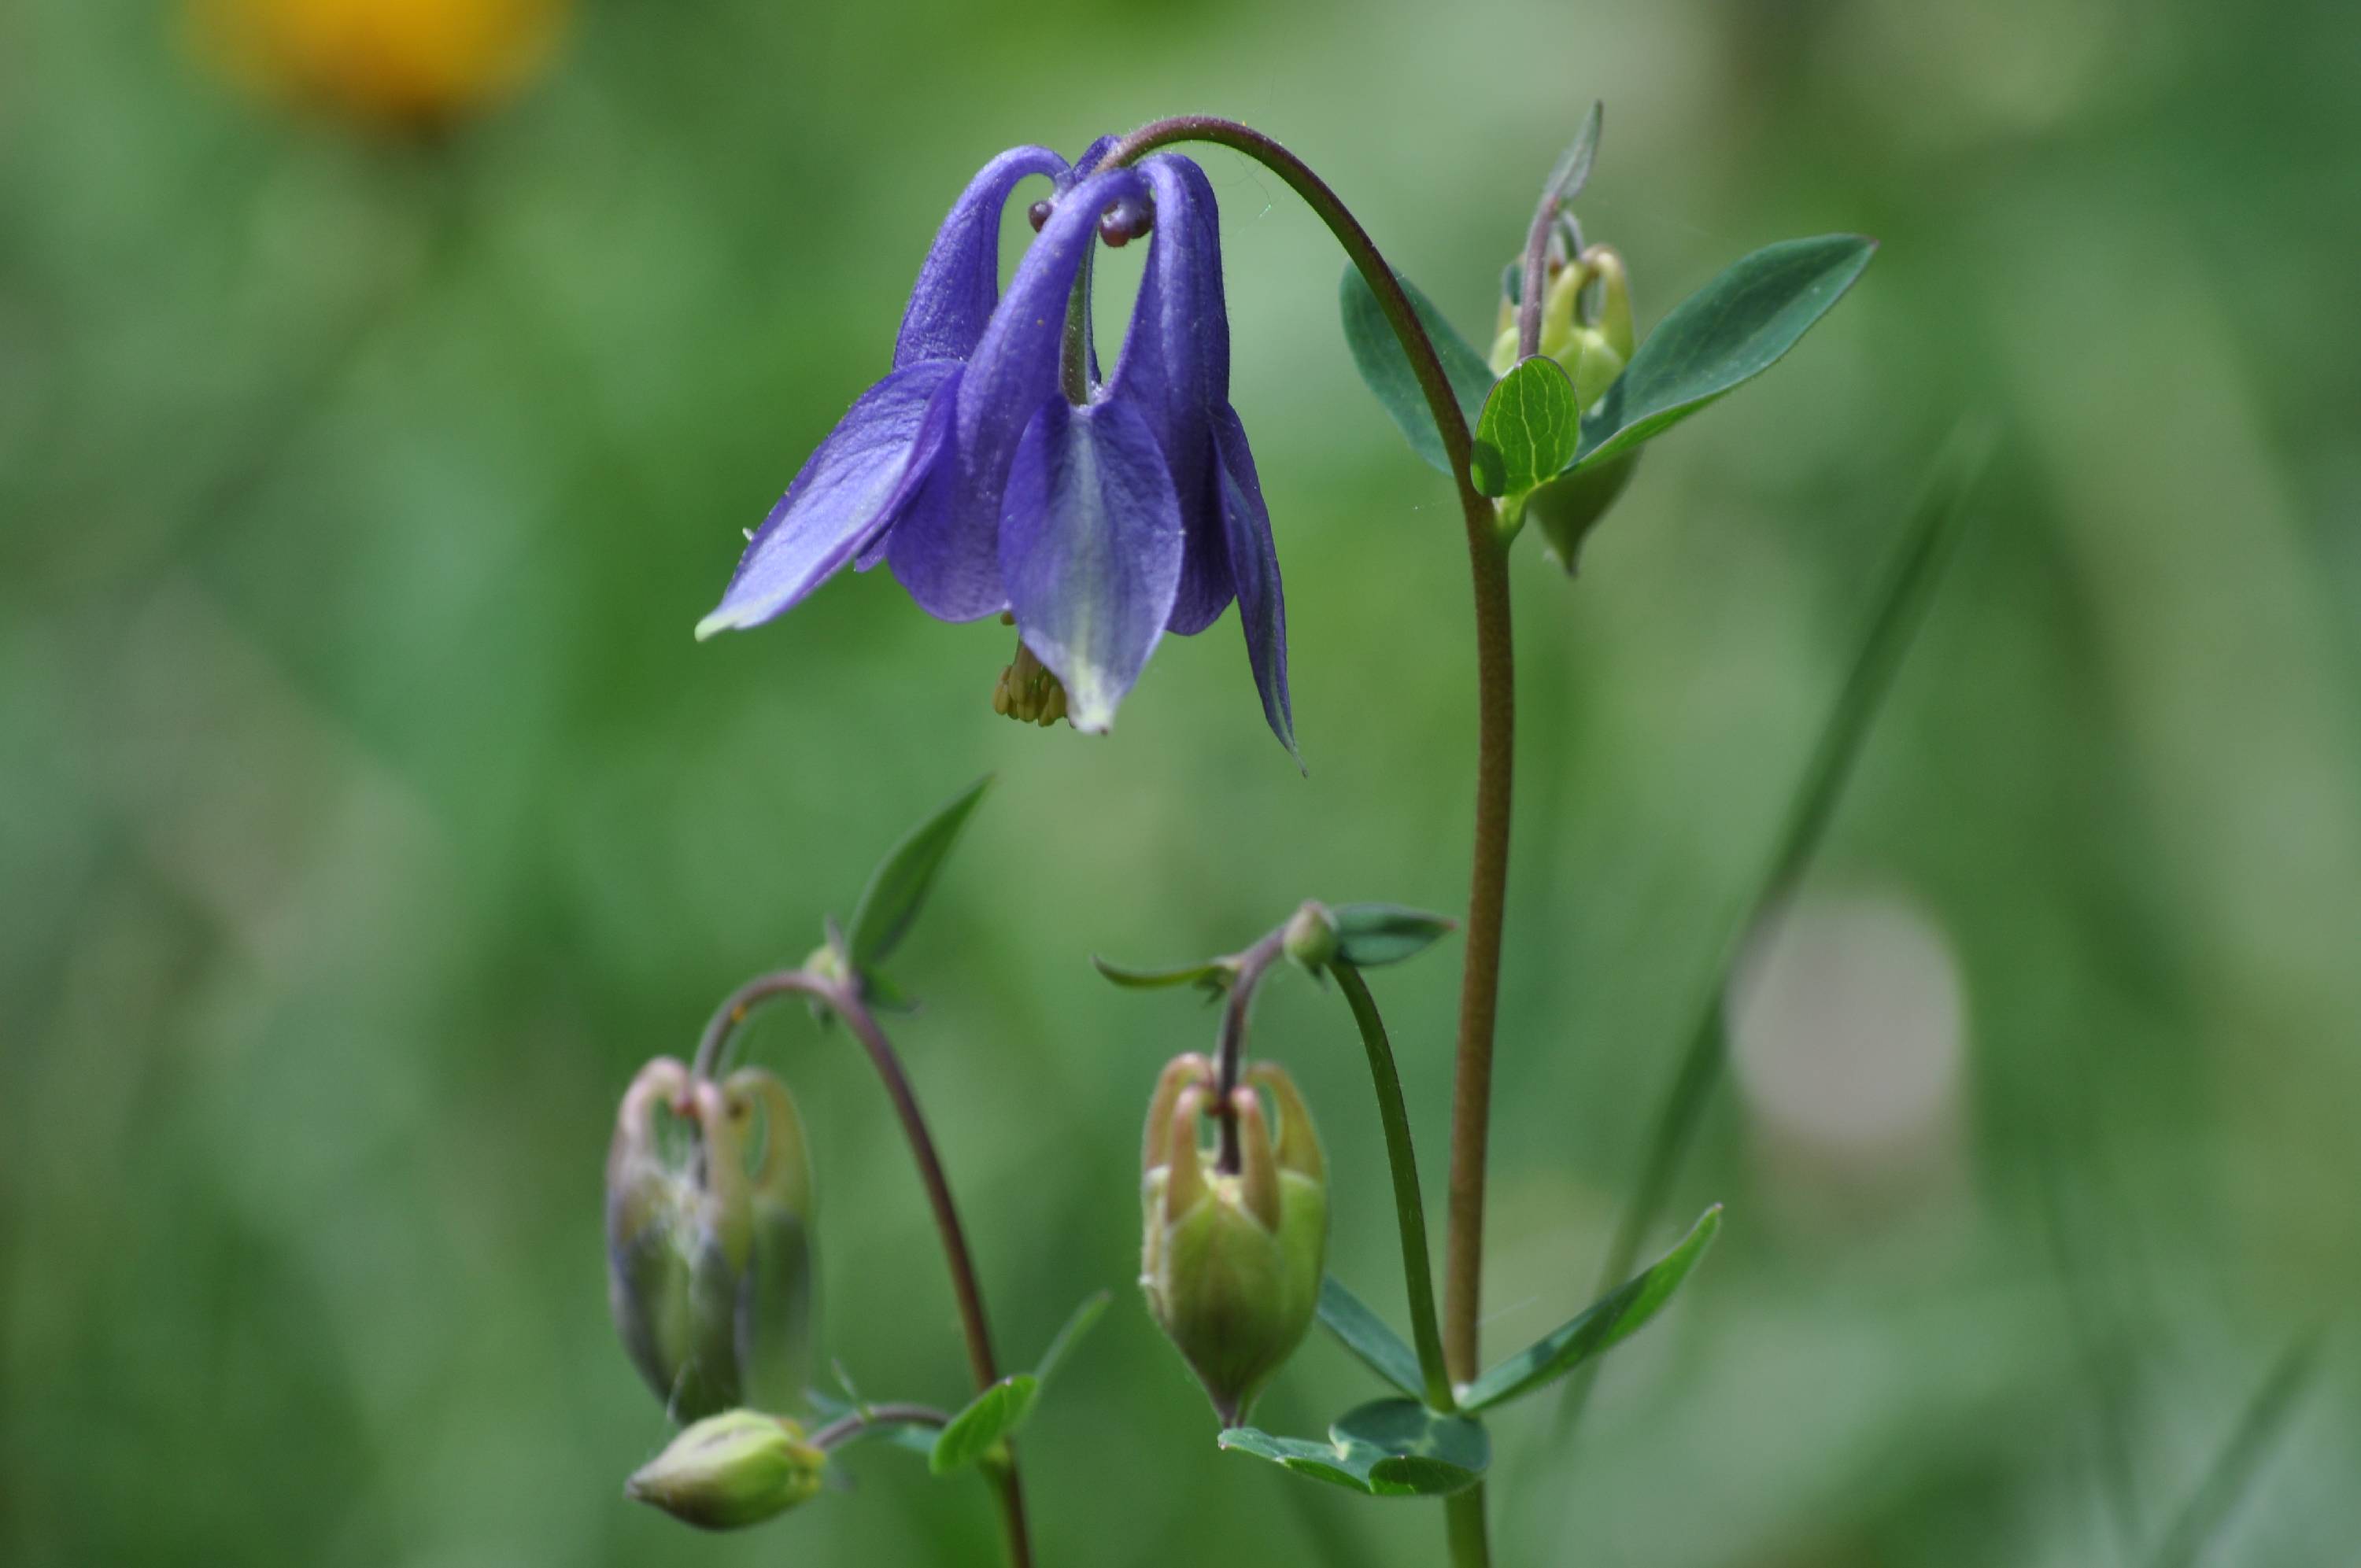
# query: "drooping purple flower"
1097,524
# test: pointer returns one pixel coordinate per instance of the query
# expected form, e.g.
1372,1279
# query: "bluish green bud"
1586,328
1231,1262
1310,937
729,1471
709,1239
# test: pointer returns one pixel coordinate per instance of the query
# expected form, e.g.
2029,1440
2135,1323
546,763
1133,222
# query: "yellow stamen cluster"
1029,693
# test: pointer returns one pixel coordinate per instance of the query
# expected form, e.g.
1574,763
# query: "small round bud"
1039,213
1310,938
1586,327
732,1470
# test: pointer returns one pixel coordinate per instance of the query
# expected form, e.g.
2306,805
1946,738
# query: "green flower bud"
1310,937
1231,1262
709,1238
1593,347
732,1470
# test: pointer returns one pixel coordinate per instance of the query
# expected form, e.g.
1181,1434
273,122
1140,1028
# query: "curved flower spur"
998,474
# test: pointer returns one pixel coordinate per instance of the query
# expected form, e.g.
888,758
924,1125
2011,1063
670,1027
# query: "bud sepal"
1231,1260
709,1238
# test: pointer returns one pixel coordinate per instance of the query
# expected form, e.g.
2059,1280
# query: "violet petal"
848,491
1090,548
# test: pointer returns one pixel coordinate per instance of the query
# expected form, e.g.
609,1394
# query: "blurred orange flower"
395,64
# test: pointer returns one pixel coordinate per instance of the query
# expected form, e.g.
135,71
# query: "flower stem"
1463,1517
844,1002
1410,1209
1229,1061
845,1428
1496,723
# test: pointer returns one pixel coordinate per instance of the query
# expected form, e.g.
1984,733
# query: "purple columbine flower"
1099,525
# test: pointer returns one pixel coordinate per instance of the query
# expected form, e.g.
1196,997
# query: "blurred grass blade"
1368,1337
2106,1343
2226,1484
1085,1317
1926,552
897,889
1378,354
1602,1326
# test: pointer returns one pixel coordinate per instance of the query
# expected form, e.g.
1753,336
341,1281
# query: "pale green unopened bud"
1310,937
729,1471
1592,346
1231,1262
709,1238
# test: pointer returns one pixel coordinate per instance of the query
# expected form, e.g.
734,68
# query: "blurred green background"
367,814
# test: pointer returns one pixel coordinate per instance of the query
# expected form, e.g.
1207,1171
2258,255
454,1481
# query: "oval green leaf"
1366,1335
1378,354
991,1416
1002,1411
1528,431
1614,1318
1368,935
898,887
1726,332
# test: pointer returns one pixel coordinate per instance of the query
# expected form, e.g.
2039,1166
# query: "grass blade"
1926,552
2242,1458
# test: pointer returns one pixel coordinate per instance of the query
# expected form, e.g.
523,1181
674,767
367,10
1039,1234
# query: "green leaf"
991,1416
1733,329
1378,354
1368,935
1214,974
1529,429
1394,1448
1002,1411
1614,1318
898,887
883,995
1366,1335
1572,170
1080,1323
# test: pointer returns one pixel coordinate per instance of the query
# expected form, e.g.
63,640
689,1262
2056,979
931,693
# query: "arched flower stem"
1488,559
1229,1056
841,1000
860,1422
